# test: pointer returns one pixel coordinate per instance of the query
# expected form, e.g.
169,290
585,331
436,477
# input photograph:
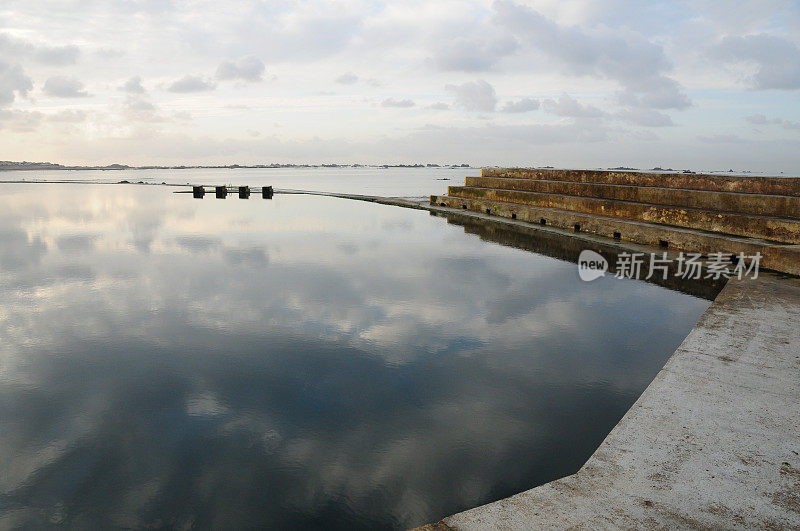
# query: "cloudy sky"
707,85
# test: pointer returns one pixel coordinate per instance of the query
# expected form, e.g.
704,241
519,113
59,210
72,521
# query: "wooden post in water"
222,192
198,192
266,192
244,192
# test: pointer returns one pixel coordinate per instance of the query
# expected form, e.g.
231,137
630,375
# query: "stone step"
779,206
777,257
691,181
769,228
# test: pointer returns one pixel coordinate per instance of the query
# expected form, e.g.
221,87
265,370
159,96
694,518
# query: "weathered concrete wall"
712,443
757,204
784,258
693,213
694,181
771,228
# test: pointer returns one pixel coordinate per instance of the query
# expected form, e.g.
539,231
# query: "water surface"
303,362
398,182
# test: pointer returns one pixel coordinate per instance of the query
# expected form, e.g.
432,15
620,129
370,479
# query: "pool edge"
709,443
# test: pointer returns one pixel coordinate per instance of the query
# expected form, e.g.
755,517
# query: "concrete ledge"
692,181
771,228
781,206
711,443
783,258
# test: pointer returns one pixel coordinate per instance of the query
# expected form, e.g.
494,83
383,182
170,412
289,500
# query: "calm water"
398,182
303,362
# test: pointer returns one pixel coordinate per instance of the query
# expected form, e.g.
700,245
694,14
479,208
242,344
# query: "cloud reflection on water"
299,362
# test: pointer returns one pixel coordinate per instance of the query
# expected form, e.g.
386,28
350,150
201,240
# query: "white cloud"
20,121
56,55
133,86
68,116
139,104
776,60
473,55
618,54
645,117
721,139
190,83
760,119
12,80
64,87
757,119
44,54
523,105
629,65
734,18
292,32
247,68
348,78
569,107
474,96
656,93
391,102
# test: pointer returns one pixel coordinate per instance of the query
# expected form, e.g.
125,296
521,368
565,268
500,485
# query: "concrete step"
778,257
769,228
691,181
779,206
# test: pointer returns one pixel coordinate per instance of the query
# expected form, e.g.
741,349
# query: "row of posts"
222,192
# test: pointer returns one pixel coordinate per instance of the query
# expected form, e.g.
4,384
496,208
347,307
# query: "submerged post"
266,192
198,192
222,192
244,192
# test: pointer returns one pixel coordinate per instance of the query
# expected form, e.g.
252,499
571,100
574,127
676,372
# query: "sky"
704,85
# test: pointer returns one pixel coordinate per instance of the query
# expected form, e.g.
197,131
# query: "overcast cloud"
348,78
613,82
523,105
247,68
474,96
64,87
191,83
133,86
777,59
13,82
570,107
391,102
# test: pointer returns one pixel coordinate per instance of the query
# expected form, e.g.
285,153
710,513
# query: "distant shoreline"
31,166
8,166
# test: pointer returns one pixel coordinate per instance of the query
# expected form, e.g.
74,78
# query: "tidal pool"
302,362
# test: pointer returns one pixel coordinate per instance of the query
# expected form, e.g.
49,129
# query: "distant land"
7,165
